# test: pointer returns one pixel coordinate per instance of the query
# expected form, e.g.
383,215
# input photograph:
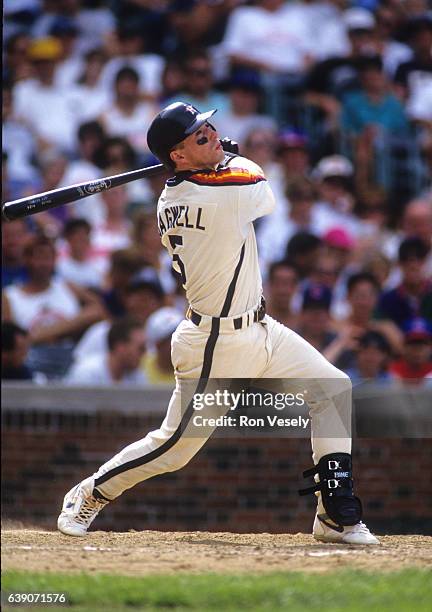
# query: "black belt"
258,315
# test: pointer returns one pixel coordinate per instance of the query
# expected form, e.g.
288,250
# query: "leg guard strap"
336,487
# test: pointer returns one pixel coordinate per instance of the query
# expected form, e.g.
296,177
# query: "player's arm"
256,198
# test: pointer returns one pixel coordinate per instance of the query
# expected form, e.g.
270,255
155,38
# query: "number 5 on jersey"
177,241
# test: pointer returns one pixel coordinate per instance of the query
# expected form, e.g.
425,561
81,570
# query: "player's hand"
230,146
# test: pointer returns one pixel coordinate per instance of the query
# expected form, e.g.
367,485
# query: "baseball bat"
31,205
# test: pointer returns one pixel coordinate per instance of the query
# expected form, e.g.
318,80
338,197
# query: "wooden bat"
32,205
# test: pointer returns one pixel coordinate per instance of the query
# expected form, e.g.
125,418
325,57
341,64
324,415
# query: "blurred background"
333,99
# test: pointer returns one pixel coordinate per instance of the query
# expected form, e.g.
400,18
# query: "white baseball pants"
264,349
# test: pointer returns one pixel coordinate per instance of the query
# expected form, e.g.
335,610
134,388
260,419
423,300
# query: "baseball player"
205,216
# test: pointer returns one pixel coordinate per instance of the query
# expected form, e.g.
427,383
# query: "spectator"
392,51
85,93
282,285
53,165
330,79
96,24
157,363
416,361
70,62
270,37
112,233
172,81
260,146
327,31
299,217
411,76
91,137
14,237
126,346
314,317
155,185
362,297
53,11
17,66
292,154
32,97
199,89
371,359
124,265
334,180
292,162
141,299
78,264
48,308
243,116
304,250
128,116
116,155
413,296
338,253
373,107
147,244
19,144
195,24
15,345
127,49
416,222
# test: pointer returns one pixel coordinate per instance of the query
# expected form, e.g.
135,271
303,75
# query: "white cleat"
80,508
324,530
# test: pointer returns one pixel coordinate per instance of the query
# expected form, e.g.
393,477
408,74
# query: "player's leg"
177,440
293,359
163,450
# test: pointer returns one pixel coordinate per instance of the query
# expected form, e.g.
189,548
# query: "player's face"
200,150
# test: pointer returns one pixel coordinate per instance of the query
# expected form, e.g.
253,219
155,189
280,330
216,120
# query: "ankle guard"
336,487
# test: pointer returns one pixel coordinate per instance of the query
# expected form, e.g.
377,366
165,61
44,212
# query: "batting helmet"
172,125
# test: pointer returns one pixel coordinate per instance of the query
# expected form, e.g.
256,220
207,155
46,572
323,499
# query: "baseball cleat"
324,530
80,508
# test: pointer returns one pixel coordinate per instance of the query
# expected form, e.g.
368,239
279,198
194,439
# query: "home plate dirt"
157,552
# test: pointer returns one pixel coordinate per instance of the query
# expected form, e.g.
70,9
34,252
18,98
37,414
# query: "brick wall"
244,485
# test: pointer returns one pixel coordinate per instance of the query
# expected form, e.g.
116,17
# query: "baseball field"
152,570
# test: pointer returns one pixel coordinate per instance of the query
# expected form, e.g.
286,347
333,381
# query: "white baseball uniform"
206,223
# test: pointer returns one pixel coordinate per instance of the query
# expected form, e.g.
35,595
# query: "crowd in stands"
332,98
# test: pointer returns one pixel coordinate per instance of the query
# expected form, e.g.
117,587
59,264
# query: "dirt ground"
155,552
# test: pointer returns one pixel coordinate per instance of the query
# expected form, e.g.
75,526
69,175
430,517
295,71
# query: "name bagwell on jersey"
182,216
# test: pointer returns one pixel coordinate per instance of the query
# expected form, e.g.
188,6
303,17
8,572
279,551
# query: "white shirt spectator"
274,236
327,31
20,146
238,127
94,370
89,273
148,66
94,24
93,342
279,39
47,111
39,310
105,240
393,54
133,127
93,210
327,217
420,104
87,103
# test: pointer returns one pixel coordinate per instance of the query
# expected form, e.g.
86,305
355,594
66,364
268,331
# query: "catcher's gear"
172,125
229,146
336,486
